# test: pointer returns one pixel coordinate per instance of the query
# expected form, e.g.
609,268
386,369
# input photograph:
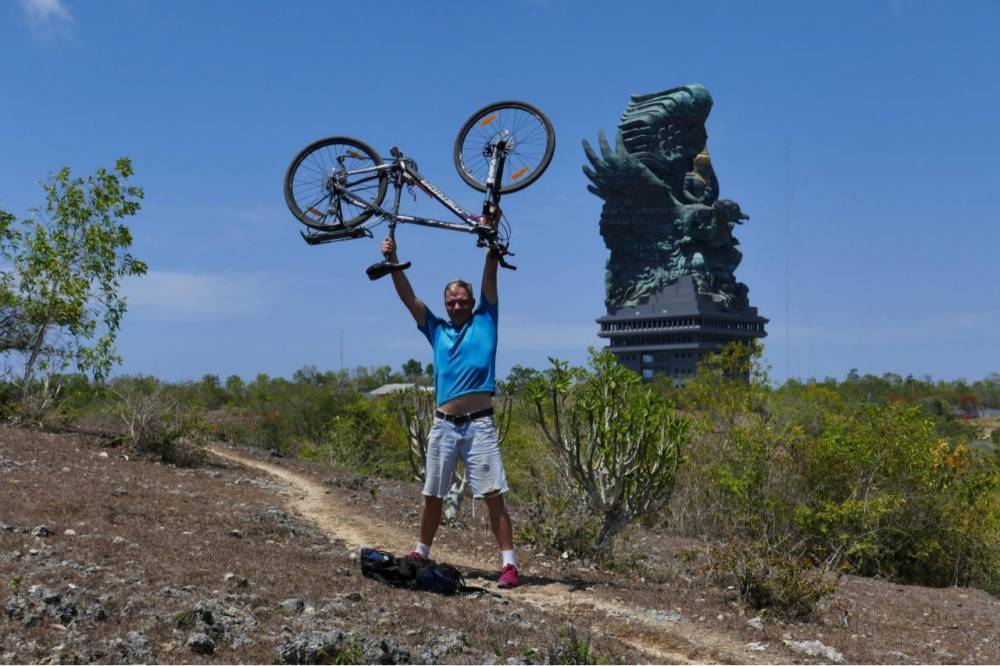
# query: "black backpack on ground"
402,572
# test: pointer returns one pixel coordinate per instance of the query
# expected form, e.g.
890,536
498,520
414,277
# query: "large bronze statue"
662,216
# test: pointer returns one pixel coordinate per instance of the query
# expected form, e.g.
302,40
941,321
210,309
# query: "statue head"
666,130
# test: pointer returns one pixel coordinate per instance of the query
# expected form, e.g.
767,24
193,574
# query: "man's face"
458,303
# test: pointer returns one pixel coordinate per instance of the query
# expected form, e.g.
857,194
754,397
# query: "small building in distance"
389,389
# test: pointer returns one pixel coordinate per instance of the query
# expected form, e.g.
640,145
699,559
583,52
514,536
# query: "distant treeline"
212,392
891,387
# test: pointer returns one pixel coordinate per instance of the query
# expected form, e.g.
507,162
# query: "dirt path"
641,628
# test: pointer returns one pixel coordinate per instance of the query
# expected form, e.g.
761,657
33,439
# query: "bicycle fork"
491,205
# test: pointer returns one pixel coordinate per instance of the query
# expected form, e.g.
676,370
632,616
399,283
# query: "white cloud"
48,19
46,12
182,296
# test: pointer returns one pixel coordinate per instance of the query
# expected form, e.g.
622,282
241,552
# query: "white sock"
424,550
508,557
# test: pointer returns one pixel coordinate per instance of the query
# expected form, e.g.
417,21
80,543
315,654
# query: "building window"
647,373
647,358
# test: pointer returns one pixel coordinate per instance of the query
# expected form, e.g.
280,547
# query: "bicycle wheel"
530,140
322,170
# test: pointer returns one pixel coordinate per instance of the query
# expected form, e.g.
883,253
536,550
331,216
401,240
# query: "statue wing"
617,173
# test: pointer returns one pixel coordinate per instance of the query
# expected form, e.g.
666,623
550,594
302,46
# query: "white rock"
816,649
70,532
756,622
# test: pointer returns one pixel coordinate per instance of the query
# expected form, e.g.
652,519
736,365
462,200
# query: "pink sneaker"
416,557
508,577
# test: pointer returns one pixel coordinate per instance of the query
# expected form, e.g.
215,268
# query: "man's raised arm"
403,288
489,288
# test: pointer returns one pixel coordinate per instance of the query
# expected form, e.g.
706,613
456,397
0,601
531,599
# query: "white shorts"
475,442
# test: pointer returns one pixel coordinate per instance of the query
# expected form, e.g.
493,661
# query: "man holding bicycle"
464,364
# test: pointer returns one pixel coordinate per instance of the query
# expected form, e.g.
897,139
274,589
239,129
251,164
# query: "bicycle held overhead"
336,186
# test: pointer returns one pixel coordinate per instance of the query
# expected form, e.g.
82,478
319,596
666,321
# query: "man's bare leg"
430,518
500,521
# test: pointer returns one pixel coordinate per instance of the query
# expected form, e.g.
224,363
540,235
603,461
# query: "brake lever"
502,252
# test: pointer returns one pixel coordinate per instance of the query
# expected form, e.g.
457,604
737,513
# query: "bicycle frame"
403,172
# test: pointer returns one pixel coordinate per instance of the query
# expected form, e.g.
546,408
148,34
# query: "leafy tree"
366,379
412,369
209,393
518,379
236,388
60,304
617,440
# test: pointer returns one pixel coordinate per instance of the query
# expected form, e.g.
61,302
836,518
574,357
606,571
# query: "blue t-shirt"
465,356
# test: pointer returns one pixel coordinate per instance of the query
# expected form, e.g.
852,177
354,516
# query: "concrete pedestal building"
672,331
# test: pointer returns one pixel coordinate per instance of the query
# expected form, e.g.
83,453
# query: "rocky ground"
112,559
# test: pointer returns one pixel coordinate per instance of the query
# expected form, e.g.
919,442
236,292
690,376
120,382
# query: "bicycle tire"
307,191
529,158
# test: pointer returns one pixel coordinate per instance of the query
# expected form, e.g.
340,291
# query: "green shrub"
571,649
616,440
156,423
365,437
265,430
769,579
182,619
872,488
558,520
883,495
350,652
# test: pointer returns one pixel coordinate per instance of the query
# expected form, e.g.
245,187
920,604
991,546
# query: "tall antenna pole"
341,351
788,233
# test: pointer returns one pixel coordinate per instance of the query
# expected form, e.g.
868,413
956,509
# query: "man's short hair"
463,284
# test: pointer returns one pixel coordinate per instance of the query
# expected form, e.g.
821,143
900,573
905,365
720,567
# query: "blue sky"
879,250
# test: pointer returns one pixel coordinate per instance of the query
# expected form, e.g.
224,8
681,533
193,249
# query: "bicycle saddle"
383,268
